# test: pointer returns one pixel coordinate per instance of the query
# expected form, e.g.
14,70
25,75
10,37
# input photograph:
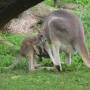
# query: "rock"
70,6
24,22
11,8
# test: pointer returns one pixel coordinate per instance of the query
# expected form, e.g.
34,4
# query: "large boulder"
11,8
24,22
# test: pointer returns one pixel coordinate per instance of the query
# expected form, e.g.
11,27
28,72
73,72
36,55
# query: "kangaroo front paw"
58,68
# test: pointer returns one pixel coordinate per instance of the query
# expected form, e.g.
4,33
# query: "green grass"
82,2
46,80
74,77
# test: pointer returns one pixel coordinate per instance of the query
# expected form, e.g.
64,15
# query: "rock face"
21,25
24,22
11,8
70,6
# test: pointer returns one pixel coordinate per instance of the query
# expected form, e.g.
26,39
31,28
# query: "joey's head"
41,39
40,42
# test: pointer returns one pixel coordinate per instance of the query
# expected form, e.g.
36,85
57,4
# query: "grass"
74,77
45,80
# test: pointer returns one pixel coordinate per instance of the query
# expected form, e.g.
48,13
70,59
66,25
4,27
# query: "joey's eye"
41,35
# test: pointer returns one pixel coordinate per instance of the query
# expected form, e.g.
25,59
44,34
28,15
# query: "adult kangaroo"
65,31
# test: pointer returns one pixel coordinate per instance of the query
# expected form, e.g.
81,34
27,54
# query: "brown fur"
31,48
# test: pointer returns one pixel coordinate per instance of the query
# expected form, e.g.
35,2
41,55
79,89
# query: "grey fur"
65,30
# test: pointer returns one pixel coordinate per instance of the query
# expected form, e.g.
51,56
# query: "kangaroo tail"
81,47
